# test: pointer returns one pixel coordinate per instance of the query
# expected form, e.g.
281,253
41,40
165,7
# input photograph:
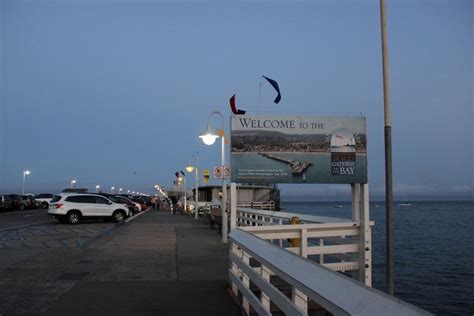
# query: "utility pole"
388,152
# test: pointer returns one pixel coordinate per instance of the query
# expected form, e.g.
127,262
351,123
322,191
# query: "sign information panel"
222,172
298,149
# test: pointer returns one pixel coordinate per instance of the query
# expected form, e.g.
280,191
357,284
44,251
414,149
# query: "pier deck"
297,167
157,264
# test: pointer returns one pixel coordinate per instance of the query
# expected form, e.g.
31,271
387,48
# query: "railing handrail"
288,216
336,293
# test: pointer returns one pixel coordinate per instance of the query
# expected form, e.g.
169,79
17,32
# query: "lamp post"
209,138
25,173
388,152
196,192
183,179
120,190
112,189
73,182
97,187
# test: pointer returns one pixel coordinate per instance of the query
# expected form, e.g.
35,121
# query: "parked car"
139,199
138,206
122,200
5,202
134,206
30,202
17,202
44,199
73,207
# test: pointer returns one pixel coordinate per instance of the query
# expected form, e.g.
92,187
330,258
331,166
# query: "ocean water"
433,251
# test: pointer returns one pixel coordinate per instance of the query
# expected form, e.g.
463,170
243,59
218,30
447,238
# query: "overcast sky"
116,92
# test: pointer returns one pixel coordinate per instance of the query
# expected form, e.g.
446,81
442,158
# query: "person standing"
154,202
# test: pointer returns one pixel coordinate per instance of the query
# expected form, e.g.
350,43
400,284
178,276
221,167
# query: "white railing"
261,205
331,242
273,279
249,216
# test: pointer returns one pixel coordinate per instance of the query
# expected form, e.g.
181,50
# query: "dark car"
5,202
17,202
140,200
148,200
31,202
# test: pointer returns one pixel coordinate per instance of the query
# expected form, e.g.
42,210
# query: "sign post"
302,149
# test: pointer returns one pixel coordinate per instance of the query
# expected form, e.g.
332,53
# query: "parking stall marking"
54,236
25,225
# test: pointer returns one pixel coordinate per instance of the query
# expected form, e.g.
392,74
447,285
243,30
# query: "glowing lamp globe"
208,138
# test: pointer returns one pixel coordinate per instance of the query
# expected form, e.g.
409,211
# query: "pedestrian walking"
154,202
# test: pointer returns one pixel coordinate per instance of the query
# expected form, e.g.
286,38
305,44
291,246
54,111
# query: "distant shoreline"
371,201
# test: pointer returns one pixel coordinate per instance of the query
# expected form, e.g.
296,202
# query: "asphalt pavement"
156,264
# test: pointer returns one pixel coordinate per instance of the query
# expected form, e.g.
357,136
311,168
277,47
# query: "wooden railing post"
264,298
304,243
233,206
365,238
299,299
235,269
246,283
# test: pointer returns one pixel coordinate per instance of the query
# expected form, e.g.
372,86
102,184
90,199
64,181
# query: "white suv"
71,207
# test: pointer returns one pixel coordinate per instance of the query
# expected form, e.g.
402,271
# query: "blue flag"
277,88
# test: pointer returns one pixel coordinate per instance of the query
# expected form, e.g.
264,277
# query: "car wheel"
22,207
118,216
73,217
44,205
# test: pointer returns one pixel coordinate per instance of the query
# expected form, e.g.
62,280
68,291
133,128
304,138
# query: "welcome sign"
298,149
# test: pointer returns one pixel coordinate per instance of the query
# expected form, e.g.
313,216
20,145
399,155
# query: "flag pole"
259,95
388,152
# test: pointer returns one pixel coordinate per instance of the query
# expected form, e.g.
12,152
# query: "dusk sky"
116,92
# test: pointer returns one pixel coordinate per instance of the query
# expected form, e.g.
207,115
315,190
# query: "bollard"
295,242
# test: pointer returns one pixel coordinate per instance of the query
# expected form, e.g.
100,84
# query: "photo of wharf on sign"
298,149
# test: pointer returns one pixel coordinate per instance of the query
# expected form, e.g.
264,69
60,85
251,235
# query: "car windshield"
114,199
56,198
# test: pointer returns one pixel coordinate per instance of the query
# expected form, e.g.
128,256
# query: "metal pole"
196,193
23,190
185,197
388,151
224,193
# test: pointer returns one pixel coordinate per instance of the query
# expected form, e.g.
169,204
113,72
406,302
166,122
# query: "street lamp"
112,189
73,182
97,187
25,173
190,169
120,190
209,138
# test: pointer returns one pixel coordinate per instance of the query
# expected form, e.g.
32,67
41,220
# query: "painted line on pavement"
134,216
26,225
86,244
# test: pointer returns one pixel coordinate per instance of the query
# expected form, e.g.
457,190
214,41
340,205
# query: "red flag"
232,106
